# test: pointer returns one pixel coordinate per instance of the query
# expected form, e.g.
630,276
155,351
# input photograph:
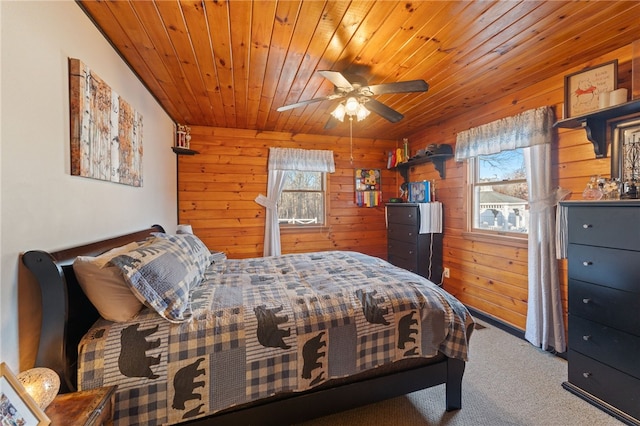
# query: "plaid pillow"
193,245
160,274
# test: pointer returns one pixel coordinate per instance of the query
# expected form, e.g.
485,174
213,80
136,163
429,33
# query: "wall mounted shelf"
437,160
184,151
595,123
445,152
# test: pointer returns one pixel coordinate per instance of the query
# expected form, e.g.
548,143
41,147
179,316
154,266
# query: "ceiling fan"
359,96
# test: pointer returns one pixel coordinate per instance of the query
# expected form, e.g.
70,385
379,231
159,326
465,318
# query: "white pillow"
105,286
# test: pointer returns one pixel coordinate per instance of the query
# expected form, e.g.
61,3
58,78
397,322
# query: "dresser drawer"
407,215
403,249
606,226
401,262
614,308
402,233
608,384
608,345
609,267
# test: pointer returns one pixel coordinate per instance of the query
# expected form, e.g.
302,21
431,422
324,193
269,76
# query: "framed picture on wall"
16,406
582,89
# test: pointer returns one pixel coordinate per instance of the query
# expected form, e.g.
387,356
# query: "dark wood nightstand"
88,408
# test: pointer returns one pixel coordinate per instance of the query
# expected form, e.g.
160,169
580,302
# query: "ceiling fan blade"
337,79
381,109
331,123
397,87
303,103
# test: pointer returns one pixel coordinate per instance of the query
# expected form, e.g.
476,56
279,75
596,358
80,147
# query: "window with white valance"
282,161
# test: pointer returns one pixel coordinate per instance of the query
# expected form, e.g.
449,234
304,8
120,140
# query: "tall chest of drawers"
407,247
604,305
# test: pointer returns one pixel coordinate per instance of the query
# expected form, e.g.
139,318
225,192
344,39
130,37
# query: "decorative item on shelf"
42,384
583,88
183,136
617,97
16,405
368,188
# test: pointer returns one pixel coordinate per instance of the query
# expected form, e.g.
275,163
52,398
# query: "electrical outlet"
446,272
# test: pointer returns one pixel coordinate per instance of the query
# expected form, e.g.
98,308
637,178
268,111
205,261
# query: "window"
302,201
499,193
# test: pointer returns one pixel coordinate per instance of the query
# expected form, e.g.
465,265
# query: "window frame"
472,232
284,227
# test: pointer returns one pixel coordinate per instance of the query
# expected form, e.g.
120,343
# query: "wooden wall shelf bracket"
595,124
184,151
437,160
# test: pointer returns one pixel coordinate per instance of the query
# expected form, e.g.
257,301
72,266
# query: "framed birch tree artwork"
106,132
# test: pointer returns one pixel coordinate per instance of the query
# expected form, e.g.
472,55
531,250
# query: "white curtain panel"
282,160
545,322
532,130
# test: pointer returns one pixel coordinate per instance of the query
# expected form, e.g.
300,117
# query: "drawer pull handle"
411,234
410,216
587,225
586,337
586,374
410,251
586,300
587,263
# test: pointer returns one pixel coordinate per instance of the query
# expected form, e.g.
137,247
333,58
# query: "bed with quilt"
190,337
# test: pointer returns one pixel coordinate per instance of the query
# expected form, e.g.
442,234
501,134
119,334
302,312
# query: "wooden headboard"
67,314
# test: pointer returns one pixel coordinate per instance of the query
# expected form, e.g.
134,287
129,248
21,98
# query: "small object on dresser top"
41,383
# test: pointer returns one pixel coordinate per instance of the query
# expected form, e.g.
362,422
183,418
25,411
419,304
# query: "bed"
275,340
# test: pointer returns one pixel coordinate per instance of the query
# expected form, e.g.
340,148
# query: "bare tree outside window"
302,201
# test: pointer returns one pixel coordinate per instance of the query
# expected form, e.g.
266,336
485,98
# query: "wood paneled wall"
217,189
489,276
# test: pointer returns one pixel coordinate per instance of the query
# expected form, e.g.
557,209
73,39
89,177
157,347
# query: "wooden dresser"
407,248
93,407
604,305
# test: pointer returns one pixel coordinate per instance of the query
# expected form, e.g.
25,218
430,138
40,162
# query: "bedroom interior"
224,69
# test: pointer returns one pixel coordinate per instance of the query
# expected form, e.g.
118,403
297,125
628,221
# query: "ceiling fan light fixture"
362,112
352,105
339,112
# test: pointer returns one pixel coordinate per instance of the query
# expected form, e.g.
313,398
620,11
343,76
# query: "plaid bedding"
267,325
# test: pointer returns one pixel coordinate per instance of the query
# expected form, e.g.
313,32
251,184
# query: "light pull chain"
351,138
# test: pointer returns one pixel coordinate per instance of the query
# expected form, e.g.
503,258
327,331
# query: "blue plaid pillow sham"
160,274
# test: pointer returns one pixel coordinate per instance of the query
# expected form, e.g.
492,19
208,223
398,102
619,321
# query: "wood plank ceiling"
233,63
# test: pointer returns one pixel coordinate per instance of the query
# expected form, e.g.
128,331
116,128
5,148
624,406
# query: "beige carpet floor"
507,382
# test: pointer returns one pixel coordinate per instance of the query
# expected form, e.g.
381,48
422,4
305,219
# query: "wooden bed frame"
67,315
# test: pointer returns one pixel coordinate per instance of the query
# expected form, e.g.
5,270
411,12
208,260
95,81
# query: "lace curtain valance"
304,160
530,128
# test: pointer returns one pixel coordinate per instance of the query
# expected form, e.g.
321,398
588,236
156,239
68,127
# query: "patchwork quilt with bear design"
263,326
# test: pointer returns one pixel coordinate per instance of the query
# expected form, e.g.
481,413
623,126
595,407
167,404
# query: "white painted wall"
41,205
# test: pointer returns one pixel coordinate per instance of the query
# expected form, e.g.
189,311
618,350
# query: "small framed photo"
420,192
582,89
16,405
